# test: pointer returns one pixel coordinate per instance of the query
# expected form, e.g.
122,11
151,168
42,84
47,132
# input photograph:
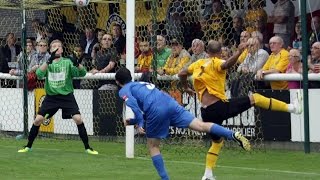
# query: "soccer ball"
81,3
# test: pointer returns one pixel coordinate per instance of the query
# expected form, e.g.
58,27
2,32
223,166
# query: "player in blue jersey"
161,111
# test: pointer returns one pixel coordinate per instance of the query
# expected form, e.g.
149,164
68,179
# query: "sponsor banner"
48,124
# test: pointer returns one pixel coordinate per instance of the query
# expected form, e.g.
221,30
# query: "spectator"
119,41
174,19
254,12
162,53
197,50
282,18
86,62
243,81
4,68
314,63
277,63
51,35
88,41
100,33
297,41
106,60
30,54
315,34
255,59
226,53
262,28
37,26
244,37
96,47
11,49
145,58
295,66
178,59
237,28
219,22
259,36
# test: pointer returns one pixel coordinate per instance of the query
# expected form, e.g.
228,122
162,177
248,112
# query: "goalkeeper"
162,111
209,78
59,72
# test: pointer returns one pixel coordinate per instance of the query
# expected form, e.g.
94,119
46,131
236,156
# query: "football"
81,3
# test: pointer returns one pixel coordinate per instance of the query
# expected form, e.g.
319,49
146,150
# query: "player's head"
56,44
123,76
214,47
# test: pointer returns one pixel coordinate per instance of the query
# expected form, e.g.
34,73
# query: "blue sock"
159,165
221,131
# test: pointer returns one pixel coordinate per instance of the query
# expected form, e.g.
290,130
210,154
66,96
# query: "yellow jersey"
208,75
243,56
279,62
175,64
144,62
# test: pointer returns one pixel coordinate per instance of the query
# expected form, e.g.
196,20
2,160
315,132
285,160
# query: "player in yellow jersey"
209,76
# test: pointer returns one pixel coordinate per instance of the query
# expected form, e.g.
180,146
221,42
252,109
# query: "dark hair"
123,76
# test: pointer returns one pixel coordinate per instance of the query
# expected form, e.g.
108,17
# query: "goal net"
163,22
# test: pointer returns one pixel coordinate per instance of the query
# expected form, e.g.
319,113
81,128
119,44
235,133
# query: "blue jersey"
159,109
139,97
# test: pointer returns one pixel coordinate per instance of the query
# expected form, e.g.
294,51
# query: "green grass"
55,159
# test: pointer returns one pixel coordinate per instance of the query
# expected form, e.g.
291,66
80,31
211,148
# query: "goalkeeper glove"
75,60
52,56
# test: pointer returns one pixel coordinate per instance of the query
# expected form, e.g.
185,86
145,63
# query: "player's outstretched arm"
234,58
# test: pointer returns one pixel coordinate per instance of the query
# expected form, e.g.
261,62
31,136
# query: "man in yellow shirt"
277,63
178,59
209,76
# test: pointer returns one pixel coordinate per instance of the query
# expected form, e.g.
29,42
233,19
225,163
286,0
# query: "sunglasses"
42,45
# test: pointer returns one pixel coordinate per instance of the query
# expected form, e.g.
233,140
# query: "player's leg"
217,113
215,129
154,149
83,134
33,133
212,158
274,104
48,109
70,108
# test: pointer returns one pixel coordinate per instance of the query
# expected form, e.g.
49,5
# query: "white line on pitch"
243,168
200,164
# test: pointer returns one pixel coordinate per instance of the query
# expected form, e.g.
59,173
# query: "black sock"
83,135
32,135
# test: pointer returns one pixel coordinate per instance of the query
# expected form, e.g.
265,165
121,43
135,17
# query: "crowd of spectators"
179,42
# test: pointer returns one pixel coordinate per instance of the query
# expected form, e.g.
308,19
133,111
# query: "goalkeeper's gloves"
52,56
75,59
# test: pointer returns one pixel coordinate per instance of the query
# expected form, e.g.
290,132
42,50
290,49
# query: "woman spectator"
255,59
295,66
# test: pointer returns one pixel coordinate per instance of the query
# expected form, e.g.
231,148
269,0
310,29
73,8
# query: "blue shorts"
164,113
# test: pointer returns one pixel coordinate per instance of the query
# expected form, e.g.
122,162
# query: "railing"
111,76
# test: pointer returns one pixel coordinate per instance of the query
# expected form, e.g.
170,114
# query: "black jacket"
7,52
4,68
83,44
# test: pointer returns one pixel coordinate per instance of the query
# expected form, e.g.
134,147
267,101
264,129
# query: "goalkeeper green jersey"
59,76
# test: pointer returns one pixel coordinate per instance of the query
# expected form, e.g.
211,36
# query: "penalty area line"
243,168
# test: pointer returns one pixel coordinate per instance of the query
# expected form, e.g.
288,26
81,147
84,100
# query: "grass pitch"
56,159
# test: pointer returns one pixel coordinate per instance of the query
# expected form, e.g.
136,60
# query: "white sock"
291,108
208,172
